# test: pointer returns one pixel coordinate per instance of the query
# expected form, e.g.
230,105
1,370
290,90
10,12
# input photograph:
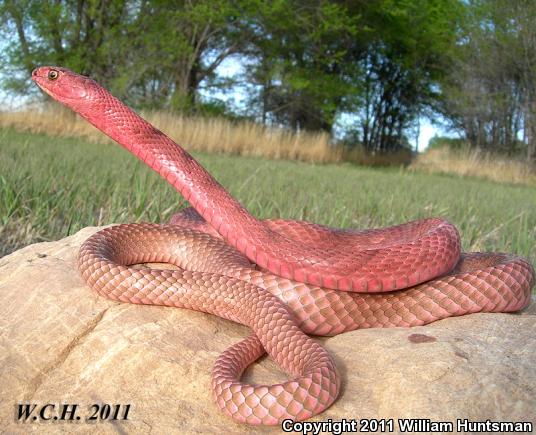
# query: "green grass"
52,187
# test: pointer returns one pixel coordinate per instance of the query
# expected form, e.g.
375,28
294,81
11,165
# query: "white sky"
427,132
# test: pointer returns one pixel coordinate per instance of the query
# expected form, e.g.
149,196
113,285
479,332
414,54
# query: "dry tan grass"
244,138
210,135
475,163
194,133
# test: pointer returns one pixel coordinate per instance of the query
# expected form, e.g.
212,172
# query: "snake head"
62,84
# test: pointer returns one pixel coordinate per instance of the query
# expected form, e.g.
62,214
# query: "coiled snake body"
283,279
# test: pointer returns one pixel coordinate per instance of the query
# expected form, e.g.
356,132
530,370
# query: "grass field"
52,187
249,139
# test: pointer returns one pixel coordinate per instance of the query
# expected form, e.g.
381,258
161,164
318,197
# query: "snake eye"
53,74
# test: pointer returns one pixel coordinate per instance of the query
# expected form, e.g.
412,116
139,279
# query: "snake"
284,279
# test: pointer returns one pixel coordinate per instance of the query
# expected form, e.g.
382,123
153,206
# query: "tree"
76,34
403,53
181,45
378,62
490,93
150,52
297,62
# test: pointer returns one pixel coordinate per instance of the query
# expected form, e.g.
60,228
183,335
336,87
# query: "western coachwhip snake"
283,279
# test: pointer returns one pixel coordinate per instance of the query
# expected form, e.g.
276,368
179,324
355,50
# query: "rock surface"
61,343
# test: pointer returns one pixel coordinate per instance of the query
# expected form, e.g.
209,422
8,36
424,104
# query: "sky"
427,132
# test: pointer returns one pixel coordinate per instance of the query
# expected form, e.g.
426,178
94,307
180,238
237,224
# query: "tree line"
371,69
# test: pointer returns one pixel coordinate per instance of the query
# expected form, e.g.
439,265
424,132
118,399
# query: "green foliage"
403,55
299,66
152,53
77,35
489,92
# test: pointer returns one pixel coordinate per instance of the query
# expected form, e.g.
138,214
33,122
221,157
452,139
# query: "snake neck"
178,167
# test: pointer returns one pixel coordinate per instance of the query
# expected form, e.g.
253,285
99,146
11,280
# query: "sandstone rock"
61,343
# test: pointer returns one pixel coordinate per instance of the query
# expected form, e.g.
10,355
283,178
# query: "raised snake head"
65,86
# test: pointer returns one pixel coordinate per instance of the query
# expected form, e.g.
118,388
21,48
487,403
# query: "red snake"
283,279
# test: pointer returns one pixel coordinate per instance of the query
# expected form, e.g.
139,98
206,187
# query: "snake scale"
284,279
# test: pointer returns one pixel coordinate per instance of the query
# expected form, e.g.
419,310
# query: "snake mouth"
39,79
